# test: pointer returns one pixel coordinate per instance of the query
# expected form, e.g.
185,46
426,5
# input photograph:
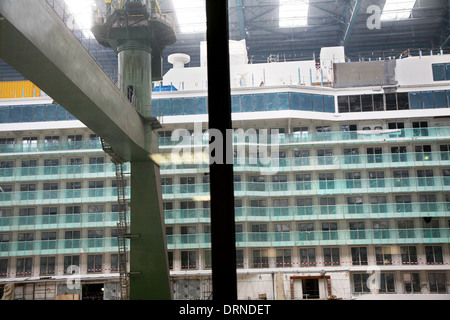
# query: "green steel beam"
37,43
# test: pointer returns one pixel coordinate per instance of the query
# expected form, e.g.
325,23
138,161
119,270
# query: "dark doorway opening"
93,291
310,288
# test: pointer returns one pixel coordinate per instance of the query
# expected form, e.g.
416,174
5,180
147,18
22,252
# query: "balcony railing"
318,238
332,137
61,246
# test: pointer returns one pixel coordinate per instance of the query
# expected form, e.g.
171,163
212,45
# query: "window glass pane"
155,107
189,106
440,99
378,104
177,107
39,113
343,104
235,104
328,102
283,101
318,103
438,72
50,112
355,103
165,106
259,101
402,100
61,113
4,114
306,102
16,114
247,103
271,102
27,114
200,106
366,102
296,102
427,98
415,99
391,101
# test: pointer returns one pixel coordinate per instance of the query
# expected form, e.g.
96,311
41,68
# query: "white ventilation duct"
178,60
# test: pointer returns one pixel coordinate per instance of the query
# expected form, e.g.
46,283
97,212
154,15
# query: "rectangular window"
307,257
47,266
434,254
399,154
425,178
359,256
325,157
279,182
387,284
3,268
327,205
380,229
96,164
331,257
329,231
409,255
411,282
187,184
376,179
301,157
440,71
357,230
383,255
260,258
378,204
326,180
375,155
353,180
401,178
351,156
283,258
306,231
94,263
24,267
343,104
423,153
303,181
438,283
428,203
360,283
405,228
71,261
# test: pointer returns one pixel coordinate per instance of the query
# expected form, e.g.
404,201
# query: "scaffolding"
122,224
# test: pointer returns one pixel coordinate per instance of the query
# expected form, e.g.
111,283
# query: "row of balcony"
242,189
200,215
317,238
243,239
313,163
331,137
63,246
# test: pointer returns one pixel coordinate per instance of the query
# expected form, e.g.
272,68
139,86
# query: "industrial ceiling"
330,23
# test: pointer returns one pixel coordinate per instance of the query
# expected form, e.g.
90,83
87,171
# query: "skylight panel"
397,10
293,13
82,12
191,15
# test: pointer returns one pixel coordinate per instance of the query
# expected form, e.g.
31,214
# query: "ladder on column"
122,224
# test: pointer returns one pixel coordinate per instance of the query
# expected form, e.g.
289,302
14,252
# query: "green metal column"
149,274
138,36
135,74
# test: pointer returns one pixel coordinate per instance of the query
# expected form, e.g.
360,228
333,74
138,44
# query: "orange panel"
18,89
